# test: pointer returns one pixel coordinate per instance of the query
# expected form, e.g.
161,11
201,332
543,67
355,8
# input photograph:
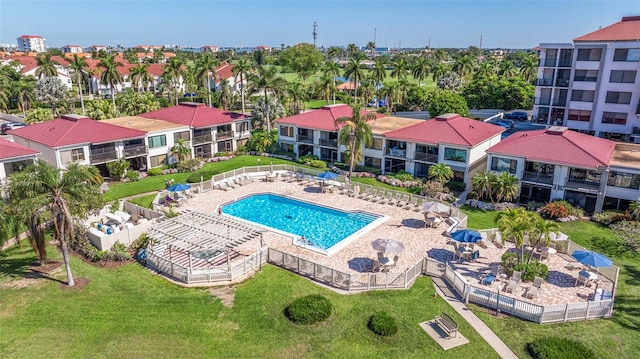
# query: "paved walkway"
494,341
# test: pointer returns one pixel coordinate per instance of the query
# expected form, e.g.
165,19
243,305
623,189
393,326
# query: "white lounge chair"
514,282
534,290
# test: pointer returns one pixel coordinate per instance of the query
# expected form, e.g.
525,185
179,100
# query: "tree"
391,91
139,75
483,183
110,74
438,71
634,209
174,70
420,69
273,108
46,66
355,133
499,92
514,224
371,46
354,73
540,232
486,69
100,110
463,66
50,90
242,68
132,103
332,69
225,94
529,67
9,224
79,72
303,59
297,93
205,69
65,195
266,79
450,81
378,74
262,141
443,101
181,149
400,69
37,115
506,186
440,173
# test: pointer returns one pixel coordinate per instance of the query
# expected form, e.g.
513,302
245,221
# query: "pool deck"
403,225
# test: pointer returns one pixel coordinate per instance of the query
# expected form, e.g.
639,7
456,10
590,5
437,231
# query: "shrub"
189,165
154,171
403,176
310,309
132,176
206,175
532,269
118,253
509,261
555,210
456,186
140,242
534,206
318,164
117,168
306,159
383,324
554,347
472,195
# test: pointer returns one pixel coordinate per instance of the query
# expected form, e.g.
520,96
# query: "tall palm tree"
508,69
378,74
486,69
225,94
66,195
205,69
297,93
354,72
355,133
46,66
634,209
140,75
266,79
400,69
332,69
463,66
529,68
181,149
175,71
420,69
242,68
506,186
371,46
325,86
438,71
540,232
483,182
440,172
390,91
110,74
514,224
79,71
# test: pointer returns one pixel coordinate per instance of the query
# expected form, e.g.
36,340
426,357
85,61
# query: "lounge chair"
364,193
394,198
372,196
534,290
416,204
490,277
223,186
514,282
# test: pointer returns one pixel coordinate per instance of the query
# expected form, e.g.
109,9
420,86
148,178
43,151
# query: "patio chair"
534,290
582,279
417,204
394,198
223,186
428,223
404,200
514,282
475,255
232,185
490,277
364,193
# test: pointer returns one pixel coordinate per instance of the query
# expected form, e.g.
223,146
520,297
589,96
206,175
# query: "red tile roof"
577,149
628,29
447,129
10,150
30,37
74,129
196,115
323,119
224,71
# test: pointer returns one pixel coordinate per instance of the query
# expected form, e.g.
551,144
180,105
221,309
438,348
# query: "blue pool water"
320,225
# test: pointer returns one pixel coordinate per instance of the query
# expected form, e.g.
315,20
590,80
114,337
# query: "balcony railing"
304,139
328,142
425,157
635,131
396,153
562,83
537,177
577,183
224,135
133,151
548,62
197,140
103,157
544,82
543,101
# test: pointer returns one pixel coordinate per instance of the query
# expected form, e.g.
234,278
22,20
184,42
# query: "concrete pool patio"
406,226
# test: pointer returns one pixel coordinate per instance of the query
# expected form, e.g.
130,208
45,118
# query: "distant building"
97,48
9,47
72,49
32,43
213,49
262,48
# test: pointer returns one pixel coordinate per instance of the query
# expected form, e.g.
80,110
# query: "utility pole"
480,41
315,33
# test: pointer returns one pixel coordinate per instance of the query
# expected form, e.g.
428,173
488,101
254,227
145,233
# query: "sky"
391,23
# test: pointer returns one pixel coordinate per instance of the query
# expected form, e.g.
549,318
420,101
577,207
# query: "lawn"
374,182
144,200
610,338
127,312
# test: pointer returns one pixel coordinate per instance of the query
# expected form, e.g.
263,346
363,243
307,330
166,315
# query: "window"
157,141
589,54
286,147
376,144
157,161
242,126
629,55
616,118
618,97
74,155
185,135
503,165
454,154
580,115
624,180
622,76
372,162
582,95
586,75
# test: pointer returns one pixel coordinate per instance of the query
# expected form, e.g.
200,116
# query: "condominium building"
592,85
32,43
72,49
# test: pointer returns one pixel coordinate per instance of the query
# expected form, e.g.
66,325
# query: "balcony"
102,157
564,63
198,140
542,101
537,177
544,82
224,135
328,142
583,185
133,151
562,102
305,139
425,157
396,153
548,62
562,83
635,131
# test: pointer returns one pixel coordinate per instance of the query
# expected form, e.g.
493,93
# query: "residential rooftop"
391,123
10,150
627,29
197,115
626,155
143,123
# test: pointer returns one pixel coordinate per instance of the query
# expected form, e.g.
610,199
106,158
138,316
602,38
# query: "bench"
447,324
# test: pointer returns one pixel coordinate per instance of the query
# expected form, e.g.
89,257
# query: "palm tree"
438,71
541,230
67,194
390,91
486,69
483,182
371,46
205,68
225,93
352,50
420,69
332,69
529,68
266,79
175,71
181,149
463,66
297,93
355,133
506,186
508,69
378,74
634,209
110,74
46,66
440,173
80,70
242,68
140,75
514,224
354,72
400,70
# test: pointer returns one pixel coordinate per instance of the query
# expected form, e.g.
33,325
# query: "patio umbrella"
592,259
180,187
327,175
387,246
436,207
466,236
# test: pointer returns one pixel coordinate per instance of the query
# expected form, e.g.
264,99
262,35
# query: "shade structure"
558,236
180,187
437,207
387,246
466,236
327,175
592,259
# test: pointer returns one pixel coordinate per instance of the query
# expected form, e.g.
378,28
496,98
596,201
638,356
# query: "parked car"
381,103
520,116
508,124
10,126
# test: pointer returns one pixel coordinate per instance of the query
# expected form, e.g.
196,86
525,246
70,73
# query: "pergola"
198,240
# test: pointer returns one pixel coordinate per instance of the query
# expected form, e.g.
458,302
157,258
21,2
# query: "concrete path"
496,343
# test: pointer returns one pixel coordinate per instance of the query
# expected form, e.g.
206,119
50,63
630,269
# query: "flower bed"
354,174
219,158
490,206
399,183
265,154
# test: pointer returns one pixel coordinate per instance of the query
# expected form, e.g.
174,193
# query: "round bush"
383,324
553,347
310,309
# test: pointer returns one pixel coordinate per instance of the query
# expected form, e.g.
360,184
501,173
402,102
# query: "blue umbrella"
327,175
178,187
466,236
592,259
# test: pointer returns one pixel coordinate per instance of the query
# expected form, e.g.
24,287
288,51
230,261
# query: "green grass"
374,182
144,200
314,104
127,312
478,218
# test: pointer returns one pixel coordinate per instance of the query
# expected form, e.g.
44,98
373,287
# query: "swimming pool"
323,228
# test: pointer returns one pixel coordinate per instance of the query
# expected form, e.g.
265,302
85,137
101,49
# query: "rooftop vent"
191,104
447,116
555,130
73,117
630,18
